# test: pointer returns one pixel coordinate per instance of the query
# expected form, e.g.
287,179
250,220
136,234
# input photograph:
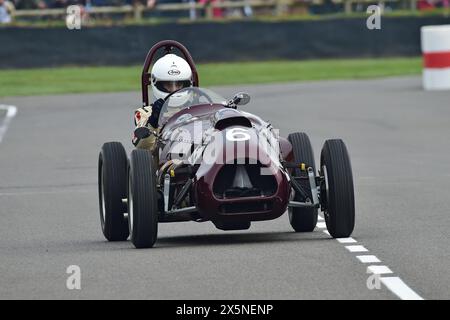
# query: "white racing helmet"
171,73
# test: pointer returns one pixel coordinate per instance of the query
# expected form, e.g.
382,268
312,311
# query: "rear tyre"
112,188
142,199
337,194
302,219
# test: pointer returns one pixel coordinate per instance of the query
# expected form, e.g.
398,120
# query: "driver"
169,73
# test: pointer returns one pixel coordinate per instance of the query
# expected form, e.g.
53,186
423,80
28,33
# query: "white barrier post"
436,57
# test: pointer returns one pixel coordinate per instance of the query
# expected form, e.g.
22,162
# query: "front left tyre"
142,199
337,193
112,188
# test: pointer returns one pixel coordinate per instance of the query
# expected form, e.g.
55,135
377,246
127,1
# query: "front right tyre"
112,189
142,199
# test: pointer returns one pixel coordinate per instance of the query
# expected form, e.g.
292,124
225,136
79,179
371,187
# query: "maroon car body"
199,129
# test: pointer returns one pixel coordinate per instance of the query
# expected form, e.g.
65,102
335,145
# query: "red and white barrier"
436,57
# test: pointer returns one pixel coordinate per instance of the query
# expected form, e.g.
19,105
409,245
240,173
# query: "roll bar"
169,46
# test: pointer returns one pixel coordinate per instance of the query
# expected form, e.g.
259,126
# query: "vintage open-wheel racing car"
212,162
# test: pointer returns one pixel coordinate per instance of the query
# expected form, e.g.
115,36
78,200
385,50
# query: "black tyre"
302,219
142,199
112,188
337,192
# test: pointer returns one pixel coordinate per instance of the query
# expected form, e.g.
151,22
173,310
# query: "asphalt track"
399,140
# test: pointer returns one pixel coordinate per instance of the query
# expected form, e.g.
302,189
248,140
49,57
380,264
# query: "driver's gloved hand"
142,133
139,134
156,110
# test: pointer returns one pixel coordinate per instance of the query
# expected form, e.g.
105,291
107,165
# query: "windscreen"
186,98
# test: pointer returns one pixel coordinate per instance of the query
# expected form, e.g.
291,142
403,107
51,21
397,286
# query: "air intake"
243,180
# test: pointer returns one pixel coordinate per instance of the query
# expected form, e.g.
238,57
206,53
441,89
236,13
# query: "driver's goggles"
171,86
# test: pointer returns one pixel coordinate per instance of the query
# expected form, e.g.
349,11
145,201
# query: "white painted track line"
399,288
393,284
346,240
321,225
356,248
368,259
378,270
11,112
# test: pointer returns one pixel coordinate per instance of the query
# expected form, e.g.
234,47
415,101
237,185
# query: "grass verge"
109,79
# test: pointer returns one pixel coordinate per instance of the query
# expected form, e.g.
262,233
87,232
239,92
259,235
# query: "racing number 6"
237,134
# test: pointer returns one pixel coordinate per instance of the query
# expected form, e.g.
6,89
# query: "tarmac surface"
398,137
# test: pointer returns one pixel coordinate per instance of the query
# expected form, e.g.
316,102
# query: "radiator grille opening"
243,180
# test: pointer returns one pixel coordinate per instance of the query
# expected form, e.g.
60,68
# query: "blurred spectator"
106,3
66,3
30,4
424,5
216,12
325,7
59,4
444,4
245,11
145,3
6,8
